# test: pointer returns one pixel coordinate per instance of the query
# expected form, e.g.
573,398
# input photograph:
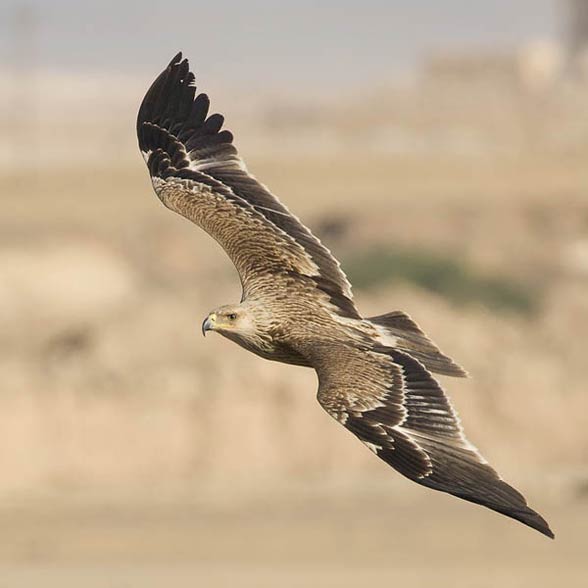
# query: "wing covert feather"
393,405
187,151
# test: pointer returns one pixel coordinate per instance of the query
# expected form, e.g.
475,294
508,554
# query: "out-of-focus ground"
133,452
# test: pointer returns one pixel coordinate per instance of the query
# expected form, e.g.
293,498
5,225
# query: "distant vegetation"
451,278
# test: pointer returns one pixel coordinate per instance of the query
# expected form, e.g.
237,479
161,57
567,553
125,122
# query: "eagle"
374,374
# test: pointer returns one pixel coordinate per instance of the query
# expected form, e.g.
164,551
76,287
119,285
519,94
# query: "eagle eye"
232,316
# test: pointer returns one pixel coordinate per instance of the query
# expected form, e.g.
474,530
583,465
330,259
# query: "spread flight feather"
297,306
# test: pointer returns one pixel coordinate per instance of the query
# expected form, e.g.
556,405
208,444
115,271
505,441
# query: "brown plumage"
297,307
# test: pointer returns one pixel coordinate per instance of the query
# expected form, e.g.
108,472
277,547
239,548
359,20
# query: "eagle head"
229,320
245,324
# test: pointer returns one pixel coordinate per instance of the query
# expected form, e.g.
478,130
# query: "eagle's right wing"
196,171
394,406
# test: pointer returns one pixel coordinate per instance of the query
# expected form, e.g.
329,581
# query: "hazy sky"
331,41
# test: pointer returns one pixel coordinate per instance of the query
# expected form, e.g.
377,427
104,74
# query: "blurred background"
439,148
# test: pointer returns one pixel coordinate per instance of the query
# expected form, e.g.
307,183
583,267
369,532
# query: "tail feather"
410,338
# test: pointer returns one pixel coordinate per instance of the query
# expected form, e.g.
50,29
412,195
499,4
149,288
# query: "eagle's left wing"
195,170
395,407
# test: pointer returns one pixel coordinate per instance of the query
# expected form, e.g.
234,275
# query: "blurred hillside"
460,198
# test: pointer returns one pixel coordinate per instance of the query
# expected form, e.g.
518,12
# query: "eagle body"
375,373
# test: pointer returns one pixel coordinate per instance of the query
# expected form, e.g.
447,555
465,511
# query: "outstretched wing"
391,403
196,171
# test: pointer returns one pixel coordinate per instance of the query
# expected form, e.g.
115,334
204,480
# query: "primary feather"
188,155
297,306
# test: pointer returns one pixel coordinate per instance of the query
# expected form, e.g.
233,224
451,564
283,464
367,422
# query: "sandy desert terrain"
135,453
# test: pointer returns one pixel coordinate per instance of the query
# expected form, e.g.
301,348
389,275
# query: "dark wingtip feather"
524,515
535,521
455,466
542,526
174,119
177,58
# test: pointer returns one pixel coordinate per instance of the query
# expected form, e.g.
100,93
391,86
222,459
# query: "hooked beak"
208,324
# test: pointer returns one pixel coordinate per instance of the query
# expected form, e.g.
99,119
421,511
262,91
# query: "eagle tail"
411,339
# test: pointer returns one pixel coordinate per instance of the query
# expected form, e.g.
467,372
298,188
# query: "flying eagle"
374,373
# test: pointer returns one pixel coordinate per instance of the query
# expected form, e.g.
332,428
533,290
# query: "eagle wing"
394,406
196,171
